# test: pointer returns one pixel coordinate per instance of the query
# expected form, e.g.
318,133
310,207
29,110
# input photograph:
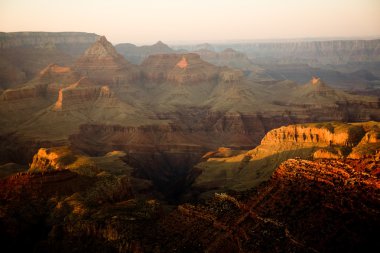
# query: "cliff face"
51,159
179,107
110,210
325,140
63,40
313,52
300,193
315,135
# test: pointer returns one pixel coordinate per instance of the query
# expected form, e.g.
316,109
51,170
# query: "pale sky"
147,21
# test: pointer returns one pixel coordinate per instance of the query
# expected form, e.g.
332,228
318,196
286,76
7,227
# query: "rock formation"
102,64
178,69
112,148
327,140
300,193
24,54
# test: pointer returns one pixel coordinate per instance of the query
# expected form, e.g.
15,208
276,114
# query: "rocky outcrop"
300,193
105,212
50,159
102,64
178,69
61,192
323,140
369,144
324,134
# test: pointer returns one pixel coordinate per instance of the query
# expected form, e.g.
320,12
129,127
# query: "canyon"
176,106
150,149
98,203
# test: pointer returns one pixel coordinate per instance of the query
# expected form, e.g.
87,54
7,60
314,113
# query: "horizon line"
222,41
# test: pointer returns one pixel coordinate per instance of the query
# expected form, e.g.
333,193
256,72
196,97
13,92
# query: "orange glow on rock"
182,63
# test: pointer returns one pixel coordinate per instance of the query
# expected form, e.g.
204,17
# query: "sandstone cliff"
51,159
324,140
300,193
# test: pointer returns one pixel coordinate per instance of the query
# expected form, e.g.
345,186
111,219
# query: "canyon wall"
310,52
24,54
71,42
309,141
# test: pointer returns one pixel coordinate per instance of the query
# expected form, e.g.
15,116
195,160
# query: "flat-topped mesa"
179,69
102,64
317,134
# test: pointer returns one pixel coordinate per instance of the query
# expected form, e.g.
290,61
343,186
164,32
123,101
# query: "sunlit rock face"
310,141
51,159
182,63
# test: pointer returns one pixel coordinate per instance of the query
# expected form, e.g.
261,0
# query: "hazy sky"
146,21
